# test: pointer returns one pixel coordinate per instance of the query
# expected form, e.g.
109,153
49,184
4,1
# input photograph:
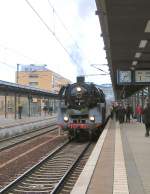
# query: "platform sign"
124,77
142,76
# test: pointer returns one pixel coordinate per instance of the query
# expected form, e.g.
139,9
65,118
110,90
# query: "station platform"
119,163
11,122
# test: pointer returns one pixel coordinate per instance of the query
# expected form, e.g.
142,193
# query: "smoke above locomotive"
82,109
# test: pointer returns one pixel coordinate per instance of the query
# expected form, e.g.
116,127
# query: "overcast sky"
67,39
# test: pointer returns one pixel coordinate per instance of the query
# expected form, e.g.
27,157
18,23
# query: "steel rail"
29,171
63,179
28,138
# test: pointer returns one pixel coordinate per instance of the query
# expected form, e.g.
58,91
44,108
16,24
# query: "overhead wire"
14,51
94,65
17,52
3,62
61,21
76,44
51,31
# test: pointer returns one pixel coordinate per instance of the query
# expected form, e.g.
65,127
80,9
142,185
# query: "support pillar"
40,107
148,91
142,98
138,98
5,105
15,103
29,104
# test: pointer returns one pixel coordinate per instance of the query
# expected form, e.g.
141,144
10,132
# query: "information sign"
142,76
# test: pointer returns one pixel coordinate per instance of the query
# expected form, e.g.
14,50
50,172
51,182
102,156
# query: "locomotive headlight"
92,118
78,89
66,119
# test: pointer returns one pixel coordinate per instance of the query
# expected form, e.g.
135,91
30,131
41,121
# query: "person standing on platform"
112,111
20,111
45,109
116,111
121,113
139,112
128,113
146,118
50,110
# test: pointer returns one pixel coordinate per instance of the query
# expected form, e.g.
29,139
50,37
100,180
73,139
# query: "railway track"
47,176
14,140
68,183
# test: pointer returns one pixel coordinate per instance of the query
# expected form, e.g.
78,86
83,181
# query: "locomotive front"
80,110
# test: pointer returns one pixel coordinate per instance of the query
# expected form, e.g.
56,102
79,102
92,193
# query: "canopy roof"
126,31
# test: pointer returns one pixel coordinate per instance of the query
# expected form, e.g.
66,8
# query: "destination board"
142,76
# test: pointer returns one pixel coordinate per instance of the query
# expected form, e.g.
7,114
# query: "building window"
33,83
33,76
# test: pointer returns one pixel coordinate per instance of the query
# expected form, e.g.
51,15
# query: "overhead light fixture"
143,43
137,55
134,63
132,68
147,29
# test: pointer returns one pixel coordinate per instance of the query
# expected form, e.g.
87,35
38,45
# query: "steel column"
5,105
15,103
29,104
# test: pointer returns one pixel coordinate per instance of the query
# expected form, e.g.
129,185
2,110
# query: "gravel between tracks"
38,149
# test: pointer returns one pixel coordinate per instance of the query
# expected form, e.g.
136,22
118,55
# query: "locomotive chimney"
80,79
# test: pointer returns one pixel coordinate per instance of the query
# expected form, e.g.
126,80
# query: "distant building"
40,77
33,67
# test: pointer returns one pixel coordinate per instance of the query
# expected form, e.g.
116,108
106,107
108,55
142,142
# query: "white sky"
24,39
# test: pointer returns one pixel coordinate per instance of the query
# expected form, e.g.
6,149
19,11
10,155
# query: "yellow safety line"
120,185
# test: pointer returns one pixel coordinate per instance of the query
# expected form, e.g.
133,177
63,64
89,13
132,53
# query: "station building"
40,77
33,77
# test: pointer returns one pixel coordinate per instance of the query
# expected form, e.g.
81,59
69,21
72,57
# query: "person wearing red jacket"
139,112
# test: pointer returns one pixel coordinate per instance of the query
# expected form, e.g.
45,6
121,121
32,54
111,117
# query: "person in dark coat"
121,113
128,113
45,109
116,111
20,111
50,110
146,118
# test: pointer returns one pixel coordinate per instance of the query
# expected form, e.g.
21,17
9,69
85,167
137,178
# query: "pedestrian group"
124,114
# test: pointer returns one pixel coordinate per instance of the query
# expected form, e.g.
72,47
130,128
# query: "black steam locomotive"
82,109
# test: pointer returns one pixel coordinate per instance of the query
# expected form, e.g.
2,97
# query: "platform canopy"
13,88
126,32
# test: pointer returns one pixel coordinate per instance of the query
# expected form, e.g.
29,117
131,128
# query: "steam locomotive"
82,109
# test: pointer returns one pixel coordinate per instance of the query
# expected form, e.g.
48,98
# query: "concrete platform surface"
123,164
11,122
